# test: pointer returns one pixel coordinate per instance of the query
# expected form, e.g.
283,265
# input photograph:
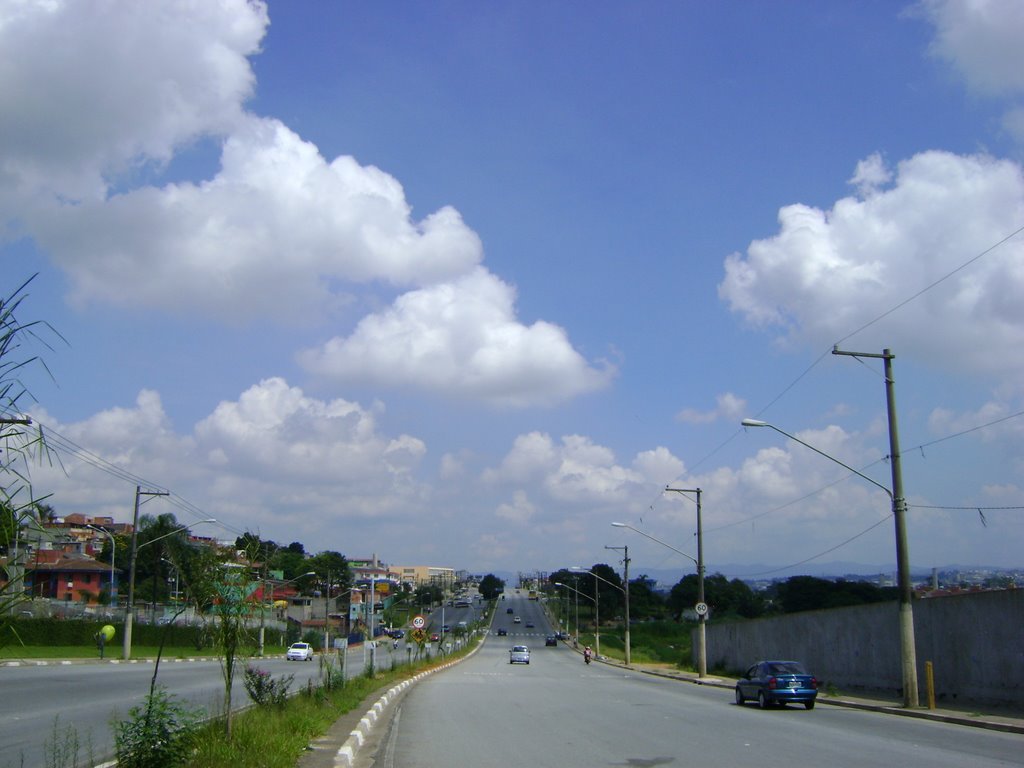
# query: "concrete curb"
346,755
69,662
989,722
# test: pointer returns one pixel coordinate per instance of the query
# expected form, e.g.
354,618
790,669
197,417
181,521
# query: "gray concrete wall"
975,642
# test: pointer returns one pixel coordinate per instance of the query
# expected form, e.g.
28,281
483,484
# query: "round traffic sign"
701,609
419,622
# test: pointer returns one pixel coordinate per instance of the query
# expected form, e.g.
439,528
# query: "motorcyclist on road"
587,654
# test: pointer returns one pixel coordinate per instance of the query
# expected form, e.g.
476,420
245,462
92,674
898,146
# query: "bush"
159,733
263,689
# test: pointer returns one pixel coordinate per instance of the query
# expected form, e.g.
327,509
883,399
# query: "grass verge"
22,652
277,736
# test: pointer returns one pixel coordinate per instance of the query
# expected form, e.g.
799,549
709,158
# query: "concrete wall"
975,642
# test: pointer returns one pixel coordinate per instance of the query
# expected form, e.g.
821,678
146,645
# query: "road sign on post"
419,622
701,609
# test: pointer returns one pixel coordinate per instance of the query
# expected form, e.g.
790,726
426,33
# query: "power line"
67,446
826,552
817,362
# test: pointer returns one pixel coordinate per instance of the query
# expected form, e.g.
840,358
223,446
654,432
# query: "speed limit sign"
701,609
419,622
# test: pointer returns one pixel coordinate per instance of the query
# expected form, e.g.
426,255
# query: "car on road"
519,654
509,610
777,683
550,640
398,634
434,638
516,620
299,652
529,625
502,632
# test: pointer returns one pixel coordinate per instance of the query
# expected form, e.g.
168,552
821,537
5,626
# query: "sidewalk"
1009,722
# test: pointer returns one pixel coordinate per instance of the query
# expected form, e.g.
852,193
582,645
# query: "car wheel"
762,700
809,704
740,698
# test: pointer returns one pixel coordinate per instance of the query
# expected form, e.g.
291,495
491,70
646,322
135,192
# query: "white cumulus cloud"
462,339
981,39
828,273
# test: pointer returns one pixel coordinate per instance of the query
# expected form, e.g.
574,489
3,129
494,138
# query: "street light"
702,606
908,650
130,607
625,565
113,549
702,654
578,593
263,604
597,618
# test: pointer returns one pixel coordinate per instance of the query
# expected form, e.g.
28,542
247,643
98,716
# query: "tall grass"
650,642
277,736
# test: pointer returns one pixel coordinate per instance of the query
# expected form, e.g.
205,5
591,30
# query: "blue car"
777,683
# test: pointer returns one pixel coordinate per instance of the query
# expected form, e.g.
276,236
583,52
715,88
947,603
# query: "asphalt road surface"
43,707
560,712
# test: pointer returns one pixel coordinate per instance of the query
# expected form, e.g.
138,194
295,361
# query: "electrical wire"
817,362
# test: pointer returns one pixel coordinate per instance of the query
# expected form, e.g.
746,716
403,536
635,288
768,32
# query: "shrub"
159,733
263,689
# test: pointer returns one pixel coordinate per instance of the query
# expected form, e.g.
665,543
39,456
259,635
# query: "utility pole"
625,562
130,607
702,647
908,648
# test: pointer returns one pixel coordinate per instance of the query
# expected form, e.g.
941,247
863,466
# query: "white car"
299,652
519,654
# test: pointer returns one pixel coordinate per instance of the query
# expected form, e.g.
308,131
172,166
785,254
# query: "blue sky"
462,283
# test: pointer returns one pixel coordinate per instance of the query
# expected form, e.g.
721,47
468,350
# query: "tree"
9,527
724,597
611,594
20,445
808,593
333,572
289,562
491,586
226,590
429,594
644,602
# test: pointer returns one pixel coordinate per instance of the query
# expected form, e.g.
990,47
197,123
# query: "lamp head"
754,423
619,525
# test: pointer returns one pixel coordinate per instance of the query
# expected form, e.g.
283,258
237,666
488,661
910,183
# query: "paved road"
41,704
558,711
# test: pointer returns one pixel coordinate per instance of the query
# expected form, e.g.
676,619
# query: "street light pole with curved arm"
263,602
129,609
908,648
625,565
702,655
113,551
597,611
578,593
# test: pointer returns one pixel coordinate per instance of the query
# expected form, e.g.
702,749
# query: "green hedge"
65,632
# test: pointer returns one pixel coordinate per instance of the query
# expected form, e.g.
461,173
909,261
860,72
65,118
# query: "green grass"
113,651
653,642
276,737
